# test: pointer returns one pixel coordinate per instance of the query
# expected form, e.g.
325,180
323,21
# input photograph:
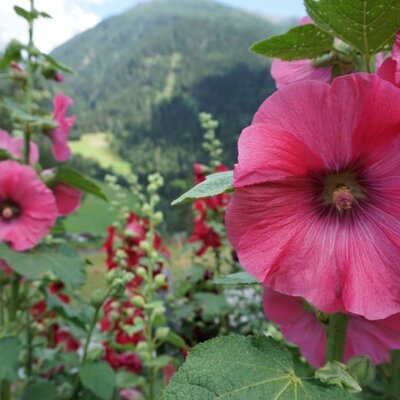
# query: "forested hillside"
146,74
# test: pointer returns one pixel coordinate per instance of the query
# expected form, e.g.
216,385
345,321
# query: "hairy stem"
336,337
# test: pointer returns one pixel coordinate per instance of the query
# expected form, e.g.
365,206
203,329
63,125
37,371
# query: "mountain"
146,74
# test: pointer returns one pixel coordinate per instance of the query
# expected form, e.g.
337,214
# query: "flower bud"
162,332
158,217
138,301
97,298
141,271
160,280
144,245
159,311
146,209
362,369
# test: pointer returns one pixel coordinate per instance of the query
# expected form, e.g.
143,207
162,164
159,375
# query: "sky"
71,17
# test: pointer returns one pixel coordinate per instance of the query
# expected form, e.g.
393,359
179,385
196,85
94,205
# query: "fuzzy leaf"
75,179
57,65
40,390
368,25
304,41
238,278
220,182
62,261
99,378
251,368
10,348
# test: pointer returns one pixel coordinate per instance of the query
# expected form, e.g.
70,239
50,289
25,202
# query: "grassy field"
96,146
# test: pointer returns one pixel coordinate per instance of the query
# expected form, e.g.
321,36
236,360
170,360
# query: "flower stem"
87,342
393,384
336,337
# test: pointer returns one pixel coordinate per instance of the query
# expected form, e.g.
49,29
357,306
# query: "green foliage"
369,26
238,278
30,15
304,41
62,261
251,368
40,390
76,180
220,182
336,373
57,65
9,352
99,378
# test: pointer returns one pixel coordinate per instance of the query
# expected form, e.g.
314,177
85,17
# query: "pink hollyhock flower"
16,67
14,146
299,325
59,135
315,210
27,207
287,72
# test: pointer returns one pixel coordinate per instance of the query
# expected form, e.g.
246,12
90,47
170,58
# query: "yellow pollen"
342,198
7,213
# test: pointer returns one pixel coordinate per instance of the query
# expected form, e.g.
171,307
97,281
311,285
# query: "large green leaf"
238,278
214,184
305,41
62,261
9,353
56,64
368,25
99,378
75,179
245,368
40,390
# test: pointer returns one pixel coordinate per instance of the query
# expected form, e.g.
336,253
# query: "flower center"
342,198
342,190
9,210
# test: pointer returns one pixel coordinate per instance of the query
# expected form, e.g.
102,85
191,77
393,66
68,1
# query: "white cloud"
69,18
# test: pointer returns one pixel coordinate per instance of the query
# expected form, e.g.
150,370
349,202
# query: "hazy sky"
73,16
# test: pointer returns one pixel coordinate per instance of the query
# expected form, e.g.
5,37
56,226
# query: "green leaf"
21,115
62,261
75,179
159,362
214,184
212,305
369,26
58,65
304,41
40,390
99,378
10,348
238,278
251,368
29,16
5,155
335,373
176,340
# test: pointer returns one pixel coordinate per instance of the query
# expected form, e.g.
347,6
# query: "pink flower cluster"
203,233
28,208
315,215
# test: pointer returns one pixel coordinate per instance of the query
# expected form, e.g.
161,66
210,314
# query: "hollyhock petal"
289,72
38,211
68,199
387,71
284,244
17,147
270,154
374,339
14,147
61,150
297,325
59,135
